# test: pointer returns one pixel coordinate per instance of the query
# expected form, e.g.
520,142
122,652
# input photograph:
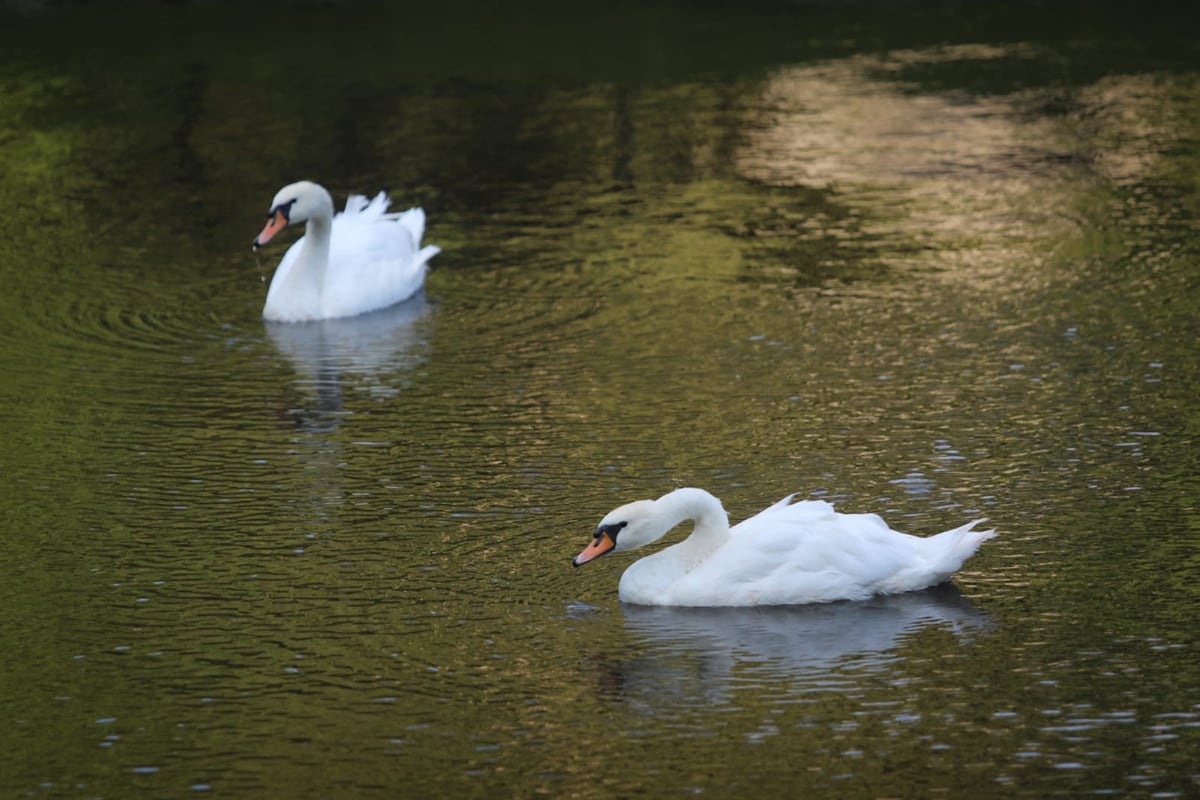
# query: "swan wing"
375,257
799,553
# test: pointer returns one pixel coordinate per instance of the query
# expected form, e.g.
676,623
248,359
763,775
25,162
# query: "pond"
931,261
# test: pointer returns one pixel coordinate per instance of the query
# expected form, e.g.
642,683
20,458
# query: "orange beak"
275,224
600,545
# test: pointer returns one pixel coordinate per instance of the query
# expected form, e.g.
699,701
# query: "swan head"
296,202
632,525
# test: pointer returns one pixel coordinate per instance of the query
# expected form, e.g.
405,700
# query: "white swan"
790,553
361,260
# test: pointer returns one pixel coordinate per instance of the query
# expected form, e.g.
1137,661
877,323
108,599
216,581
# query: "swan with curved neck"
360,260
790,553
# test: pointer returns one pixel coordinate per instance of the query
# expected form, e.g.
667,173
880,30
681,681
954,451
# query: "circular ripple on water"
110,318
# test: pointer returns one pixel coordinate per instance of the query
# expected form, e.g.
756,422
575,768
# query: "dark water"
934,262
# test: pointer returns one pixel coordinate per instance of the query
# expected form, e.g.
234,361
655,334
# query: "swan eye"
283,208
610,530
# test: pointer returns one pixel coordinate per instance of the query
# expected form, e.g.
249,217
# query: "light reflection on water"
973,187
334,558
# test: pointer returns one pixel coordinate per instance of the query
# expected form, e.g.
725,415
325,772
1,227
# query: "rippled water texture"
930,262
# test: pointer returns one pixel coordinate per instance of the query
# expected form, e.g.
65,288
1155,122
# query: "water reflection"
695,656
316,556
375,348
957,182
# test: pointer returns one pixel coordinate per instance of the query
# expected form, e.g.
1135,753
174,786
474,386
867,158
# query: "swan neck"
712,523
317,232
314,254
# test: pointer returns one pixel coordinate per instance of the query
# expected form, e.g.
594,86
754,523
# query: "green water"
931,261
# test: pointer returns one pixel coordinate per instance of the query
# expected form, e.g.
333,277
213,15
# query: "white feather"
790,553
360,260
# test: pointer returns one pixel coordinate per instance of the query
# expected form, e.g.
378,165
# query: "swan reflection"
701,655
376,348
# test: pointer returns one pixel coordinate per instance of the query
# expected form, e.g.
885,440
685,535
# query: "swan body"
788,554
360,260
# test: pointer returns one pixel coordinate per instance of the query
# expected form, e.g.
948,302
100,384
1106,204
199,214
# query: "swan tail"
427,253
954,547
937,559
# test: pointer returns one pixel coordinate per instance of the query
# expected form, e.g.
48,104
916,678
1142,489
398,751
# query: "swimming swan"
791,553
361,260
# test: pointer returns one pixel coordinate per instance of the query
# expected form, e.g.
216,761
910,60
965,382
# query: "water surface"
933,263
